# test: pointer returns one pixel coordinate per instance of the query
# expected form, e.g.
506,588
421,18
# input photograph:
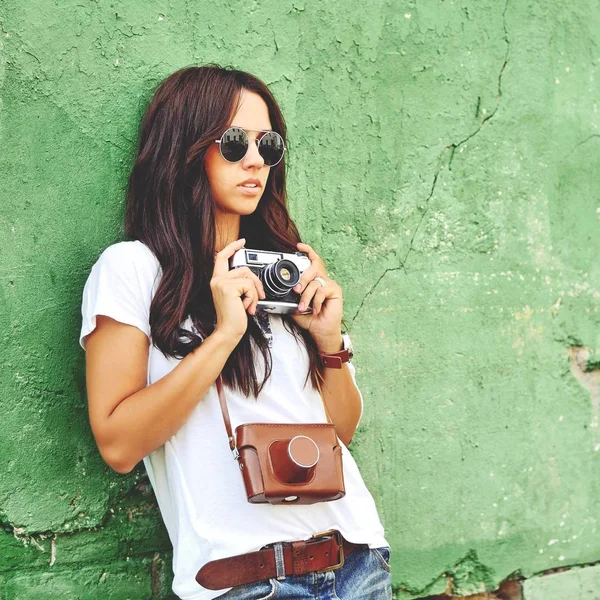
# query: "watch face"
348,344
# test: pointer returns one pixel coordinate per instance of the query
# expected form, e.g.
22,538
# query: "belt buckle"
340,542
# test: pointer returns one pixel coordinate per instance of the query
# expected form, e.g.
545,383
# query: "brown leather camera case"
295,463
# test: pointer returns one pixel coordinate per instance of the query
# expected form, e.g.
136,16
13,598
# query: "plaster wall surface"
443,159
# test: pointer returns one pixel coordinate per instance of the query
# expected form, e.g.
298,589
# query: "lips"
253,180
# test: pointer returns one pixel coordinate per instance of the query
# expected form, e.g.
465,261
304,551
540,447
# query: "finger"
316,269
222,258
312,255
254,295
318,299
307,296
244,288
305,279
246,272
251,308
250,296
331,291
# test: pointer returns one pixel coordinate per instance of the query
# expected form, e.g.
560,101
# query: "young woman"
164,315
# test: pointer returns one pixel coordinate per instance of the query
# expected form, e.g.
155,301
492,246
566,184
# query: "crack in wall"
587,139
370,292
452,147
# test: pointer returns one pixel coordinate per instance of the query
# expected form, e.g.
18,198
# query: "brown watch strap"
335,360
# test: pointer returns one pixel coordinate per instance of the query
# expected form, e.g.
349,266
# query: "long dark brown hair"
171,210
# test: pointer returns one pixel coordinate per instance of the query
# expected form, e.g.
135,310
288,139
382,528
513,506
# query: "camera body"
279,272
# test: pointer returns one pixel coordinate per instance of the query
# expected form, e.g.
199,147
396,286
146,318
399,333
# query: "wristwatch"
335,360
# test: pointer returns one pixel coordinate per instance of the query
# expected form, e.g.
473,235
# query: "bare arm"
128,419
341,395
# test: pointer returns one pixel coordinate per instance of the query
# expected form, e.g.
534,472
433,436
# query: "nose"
253,157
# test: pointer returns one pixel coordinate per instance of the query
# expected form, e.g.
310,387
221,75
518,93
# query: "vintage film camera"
279,273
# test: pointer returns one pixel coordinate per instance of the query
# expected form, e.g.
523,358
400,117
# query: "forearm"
341,395
147,419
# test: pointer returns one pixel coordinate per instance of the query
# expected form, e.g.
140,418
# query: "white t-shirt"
205,510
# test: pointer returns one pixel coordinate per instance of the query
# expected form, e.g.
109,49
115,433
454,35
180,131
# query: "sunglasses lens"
234,144
271,148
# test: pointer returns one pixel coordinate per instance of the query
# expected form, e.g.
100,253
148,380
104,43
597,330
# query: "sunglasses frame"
257,141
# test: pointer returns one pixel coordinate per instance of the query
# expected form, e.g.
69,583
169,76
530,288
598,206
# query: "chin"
247,208
247,211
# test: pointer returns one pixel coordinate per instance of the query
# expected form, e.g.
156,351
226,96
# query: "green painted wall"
444,159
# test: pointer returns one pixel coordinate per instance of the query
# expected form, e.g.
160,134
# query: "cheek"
219,176
211,165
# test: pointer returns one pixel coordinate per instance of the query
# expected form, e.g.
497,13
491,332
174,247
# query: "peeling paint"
589,379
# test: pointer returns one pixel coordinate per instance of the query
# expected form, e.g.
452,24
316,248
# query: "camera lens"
280,277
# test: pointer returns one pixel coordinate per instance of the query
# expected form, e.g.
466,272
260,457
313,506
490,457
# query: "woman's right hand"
228,287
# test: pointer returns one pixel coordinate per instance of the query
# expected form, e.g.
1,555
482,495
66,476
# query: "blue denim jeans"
365,575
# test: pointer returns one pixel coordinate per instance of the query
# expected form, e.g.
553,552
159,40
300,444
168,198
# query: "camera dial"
294,460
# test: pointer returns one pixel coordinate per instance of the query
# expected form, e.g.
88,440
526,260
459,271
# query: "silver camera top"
246,258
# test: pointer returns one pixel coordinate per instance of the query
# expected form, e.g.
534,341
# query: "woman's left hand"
325,321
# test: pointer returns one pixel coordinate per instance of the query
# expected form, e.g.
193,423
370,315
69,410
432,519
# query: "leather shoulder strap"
225,412
227,419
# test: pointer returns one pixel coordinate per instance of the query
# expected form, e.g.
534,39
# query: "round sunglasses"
234,145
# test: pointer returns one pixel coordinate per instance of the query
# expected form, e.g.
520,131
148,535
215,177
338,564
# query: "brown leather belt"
323,552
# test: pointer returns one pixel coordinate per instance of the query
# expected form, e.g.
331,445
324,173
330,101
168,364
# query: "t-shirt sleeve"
118,287
362,405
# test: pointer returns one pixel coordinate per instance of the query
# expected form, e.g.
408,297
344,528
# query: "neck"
227,227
